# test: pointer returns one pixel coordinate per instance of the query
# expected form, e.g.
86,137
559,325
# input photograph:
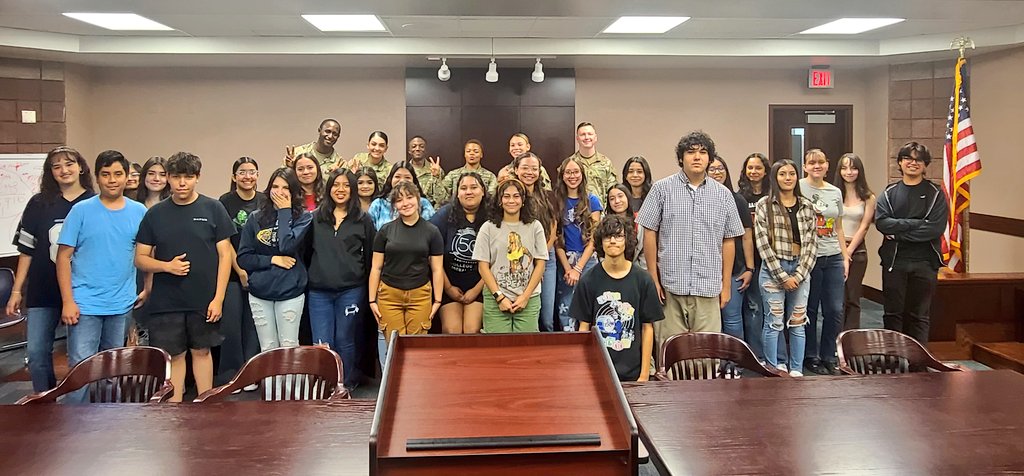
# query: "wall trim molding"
997,224
872,294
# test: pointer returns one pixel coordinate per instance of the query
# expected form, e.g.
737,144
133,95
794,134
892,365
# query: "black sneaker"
832,368
814,366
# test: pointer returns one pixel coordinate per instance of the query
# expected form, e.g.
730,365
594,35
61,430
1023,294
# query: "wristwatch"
497,295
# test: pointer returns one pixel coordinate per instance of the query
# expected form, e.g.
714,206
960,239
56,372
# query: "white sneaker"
237,391
796,373
782,367
252,387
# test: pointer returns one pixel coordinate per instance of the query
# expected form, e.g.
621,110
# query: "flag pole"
961,43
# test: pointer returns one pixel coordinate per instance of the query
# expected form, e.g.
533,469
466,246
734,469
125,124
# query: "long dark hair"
746,188
860,185
234,169
325,212
459,212
143,192
385,191
369,172
318,182
774,193
624,188
49,189
728,177
582,211
497,213
540,200
646,186
268,212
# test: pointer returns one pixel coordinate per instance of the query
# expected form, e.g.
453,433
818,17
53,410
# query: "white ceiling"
736,32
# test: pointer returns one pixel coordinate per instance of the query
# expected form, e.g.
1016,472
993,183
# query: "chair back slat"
708,355
288,373
882,351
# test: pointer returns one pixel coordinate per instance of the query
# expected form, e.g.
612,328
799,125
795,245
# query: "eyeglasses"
573,173
716,170
913,159
247,173
616,237
134,175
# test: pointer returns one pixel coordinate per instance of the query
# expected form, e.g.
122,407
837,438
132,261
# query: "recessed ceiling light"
345,22
851,26
119,21
644,24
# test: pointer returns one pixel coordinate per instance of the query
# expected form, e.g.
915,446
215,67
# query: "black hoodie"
341,258
910,229
284,237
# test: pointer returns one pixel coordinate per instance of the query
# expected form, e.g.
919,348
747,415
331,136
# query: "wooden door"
795,128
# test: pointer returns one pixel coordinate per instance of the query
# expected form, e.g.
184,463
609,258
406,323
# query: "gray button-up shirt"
691,223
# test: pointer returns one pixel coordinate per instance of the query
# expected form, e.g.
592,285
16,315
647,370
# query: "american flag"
960,164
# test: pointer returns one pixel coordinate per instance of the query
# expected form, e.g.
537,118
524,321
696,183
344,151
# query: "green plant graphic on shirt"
240,219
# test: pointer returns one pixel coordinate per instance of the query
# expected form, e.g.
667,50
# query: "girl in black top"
240,340
342,246
65,181
636,175
407,275
462,304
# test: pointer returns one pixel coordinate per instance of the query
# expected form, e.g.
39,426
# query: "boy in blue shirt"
95,266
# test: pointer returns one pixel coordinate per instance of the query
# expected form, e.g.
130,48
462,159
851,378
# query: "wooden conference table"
165,439
938,423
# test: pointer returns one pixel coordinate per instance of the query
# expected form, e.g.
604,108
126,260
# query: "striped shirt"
781,246
691,222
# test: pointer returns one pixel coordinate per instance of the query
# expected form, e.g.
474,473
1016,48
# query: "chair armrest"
164,394
661,376
846,370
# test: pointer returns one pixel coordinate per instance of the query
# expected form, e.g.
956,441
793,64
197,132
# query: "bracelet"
577,269
373,301
15,292
437,301
500,298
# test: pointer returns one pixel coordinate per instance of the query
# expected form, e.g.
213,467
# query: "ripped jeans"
277,322
784,309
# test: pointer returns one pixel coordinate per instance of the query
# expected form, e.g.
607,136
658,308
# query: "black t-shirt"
912,201
459,240
741,262
407,251
752,200
239,211
794,223
618,308
193,230
37,237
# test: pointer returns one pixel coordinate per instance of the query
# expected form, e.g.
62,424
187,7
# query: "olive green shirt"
545,179
326,161
490,180
431,185
600,174
383,169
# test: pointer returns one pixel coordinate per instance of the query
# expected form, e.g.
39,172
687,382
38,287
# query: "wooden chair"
708,355
288,373
122,375
881,351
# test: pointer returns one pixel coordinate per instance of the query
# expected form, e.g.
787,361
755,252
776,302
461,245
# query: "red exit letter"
819,78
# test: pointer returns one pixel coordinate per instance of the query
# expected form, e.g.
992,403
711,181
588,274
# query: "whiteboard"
19,180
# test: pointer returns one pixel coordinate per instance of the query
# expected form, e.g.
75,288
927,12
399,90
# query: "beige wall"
996,104
222,114
646,112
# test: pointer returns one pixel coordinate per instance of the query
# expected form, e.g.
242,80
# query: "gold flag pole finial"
961,43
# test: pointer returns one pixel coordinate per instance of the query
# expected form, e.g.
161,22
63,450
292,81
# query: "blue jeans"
828,289
42,324
753,318
548,287
564,291
784,309
732,313
335,318
89,336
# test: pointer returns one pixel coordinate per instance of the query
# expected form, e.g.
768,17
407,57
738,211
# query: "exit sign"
819,78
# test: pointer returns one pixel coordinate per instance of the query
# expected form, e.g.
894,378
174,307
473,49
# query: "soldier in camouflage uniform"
519,144
374,158
474,153
428,171
322,149
597,167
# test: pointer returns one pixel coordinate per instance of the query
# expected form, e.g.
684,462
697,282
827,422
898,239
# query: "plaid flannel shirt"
783,243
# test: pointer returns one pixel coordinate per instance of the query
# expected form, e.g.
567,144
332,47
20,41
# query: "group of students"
378,248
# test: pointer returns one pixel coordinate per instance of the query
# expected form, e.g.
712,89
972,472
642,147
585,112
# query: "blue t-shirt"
571,228
103,264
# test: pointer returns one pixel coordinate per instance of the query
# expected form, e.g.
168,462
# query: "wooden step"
1000,355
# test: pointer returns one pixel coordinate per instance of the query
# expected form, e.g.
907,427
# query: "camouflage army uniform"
326,162
432,186
383,169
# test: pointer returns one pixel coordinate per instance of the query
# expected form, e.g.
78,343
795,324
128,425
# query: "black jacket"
258,246
341,258
899,229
